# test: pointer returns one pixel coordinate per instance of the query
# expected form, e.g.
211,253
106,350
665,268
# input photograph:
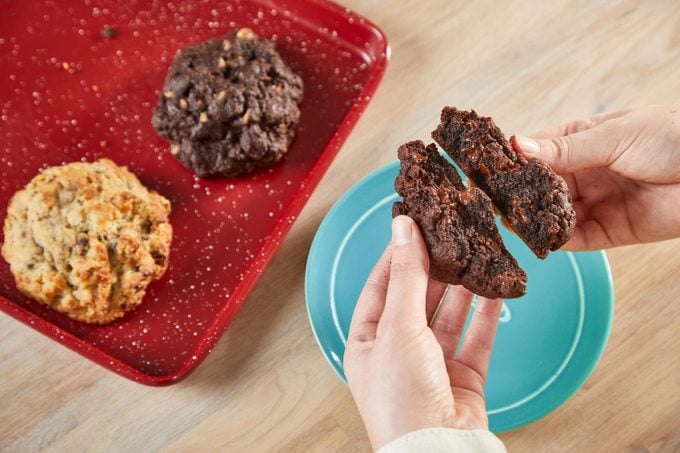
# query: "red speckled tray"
68,94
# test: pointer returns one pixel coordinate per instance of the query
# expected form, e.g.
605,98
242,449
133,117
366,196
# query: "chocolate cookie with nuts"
229,106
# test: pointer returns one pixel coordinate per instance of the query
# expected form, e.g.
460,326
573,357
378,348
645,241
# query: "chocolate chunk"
458,225
535,200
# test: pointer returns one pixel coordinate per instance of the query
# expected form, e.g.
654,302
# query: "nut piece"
226,45
168,95
203,117
183,104
466,196
245,34
174,150
246,117
221,95
221,63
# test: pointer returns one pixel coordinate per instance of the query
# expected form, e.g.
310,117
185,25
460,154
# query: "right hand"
623,172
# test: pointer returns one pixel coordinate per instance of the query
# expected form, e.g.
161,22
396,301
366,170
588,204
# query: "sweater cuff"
440,440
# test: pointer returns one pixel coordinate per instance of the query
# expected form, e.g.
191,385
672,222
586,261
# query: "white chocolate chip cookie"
87,239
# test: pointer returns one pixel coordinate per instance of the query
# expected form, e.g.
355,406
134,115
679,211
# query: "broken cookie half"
458,225
533,199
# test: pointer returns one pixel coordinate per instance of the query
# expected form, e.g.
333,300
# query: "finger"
581,210
475,352
589,235
592,148
371,301
564,129
572,184
435,291
447,325
407,288
589,143
581,125
577,242
580,206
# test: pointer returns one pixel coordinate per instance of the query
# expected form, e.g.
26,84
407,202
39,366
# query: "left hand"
623,172
400,359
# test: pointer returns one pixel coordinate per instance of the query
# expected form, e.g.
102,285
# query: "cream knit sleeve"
440,440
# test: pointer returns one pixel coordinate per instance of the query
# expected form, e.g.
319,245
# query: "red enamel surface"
68,94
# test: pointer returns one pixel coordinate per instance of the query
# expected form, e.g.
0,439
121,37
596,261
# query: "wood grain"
267,387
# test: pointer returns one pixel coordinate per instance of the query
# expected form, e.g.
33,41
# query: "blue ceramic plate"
548,342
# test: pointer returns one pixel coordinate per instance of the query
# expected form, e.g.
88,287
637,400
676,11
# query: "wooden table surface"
268,387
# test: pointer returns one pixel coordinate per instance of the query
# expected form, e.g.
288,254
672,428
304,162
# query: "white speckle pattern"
93,98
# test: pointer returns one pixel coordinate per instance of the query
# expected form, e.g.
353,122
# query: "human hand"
623,171
400,360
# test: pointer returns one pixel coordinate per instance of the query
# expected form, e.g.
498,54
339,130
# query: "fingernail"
401,230
527,145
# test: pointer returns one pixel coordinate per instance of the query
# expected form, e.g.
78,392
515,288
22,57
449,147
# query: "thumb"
567,153
409,269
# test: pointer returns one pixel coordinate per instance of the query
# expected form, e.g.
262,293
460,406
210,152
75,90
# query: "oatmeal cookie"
87,239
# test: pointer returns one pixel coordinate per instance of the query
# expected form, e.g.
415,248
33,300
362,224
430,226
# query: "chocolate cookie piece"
229,106
458,225
534,199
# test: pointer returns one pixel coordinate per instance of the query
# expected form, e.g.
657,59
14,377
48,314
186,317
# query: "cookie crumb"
221,63
95,88
103,143
174,150
108,32
66,66
226,45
